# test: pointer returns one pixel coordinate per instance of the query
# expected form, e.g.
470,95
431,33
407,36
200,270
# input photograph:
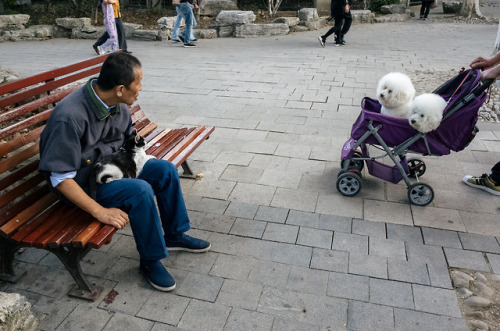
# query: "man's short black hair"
118,69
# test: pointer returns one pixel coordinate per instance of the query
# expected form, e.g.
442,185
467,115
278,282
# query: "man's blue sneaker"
183,242
157,275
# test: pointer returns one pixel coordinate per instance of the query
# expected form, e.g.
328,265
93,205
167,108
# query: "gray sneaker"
321,41
483,183
190,45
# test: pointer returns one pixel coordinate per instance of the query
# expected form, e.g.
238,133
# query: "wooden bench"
30,215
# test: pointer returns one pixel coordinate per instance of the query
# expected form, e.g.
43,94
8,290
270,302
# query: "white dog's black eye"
390,91
421,115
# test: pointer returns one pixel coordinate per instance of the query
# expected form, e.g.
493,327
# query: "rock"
257,30
167,22
465,293
73,23
480,277
214,7
476,315
205,33
315,25
91,32
484,289
15,313
478,302
290,21
362,16
452,7
234,17
298,28
460,279
225,31
130,29
13,22
392,18
495,278
308,14
393,9
60,32
146,35
475,324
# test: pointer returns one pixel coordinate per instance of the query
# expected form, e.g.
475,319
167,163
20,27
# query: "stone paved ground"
289,252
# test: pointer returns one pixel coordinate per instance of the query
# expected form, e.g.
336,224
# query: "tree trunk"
497,42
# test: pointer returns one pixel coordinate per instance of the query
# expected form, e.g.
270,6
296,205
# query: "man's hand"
112,216
347,8
480,63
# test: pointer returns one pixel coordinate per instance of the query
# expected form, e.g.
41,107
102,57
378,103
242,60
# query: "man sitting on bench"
93,122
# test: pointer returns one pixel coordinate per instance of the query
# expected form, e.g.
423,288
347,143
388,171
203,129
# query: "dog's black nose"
413,121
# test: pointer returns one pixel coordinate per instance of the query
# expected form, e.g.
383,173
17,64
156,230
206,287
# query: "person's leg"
187,14
427,9
422,9
120,29
102,39
164,180
339,21
175,32
192,27
495,173
346,26
136,198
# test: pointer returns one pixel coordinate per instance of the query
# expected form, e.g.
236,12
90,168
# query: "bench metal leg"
7,251
187,172
71,257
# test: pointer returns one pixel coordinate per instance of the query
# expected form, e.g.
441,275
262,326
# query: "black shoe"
183,242
95,49
194,39
189,45
128,52
342,42
157,275
181,38
321,41
176,40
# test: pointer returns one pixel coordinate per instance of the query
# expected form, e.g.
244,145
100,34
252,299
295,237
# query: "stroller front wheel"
420,194
416,167
349,184
349,164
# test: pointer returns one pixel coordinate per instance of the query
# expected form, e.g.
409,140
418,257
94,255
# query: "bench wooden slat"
80,222
186,141
35,104
27,214
8,213
141,124
65,222
25,124
181,157
21,189
51,74
28,228
137,116
166,141
134,108
154,136
18,175
83,238
147,129
18,158
102,237
54,220
21,141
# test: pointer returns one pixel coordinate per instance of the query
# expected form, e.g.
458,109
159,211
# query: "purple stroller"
464,94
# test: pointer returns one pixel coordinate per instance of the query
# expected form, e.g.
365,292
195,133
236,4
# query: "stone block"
15,313
71,23
452,7
91,32
225,31
362,16
466,259
205,33
392,18
130,29
349,286
146,35
436,301
214,7
315,24
393,9
308,14
368,316
60,32
258,30
234,17
166,22
13,22
290,21
298,28
391,293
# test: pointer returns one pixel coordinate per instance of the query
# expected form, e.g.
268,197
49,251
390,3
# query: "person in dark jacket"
93,122
341,13
425,9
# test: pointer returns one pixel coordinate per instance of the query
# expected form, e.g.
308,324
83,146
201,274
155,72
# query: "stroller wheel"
353,164
349,184
420,194
417,168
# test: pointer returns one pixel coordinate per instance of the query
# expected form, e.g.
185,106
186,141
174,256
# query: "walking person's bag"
433,5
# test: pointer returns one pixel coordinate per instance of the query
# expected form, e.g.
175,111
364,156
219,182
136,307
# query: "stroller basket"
386,172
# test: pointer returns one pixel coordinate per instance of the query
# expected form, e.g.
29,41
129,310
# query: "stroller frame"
355,154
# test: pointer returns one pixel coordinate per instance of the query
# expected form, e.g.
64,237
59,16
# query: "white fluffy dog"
426,112
395,93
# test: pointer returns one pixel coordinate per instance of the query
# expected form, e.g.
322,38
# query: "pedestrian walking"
122,42
341,13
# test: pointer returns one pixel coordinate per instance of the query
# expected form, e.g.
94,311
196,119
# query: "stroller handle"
480,88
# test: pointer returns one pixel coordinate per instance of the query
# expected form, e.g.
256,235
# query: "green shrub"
376,4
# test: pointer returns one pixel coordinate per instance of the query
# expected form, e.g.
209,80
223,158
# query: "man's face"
128,95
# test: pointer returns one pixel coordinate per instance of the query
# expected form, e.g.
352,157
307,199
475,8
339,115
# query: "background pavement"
289,252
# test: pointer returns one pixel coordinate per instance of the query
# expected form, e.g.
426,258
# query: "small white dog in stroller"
426,112
395,93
